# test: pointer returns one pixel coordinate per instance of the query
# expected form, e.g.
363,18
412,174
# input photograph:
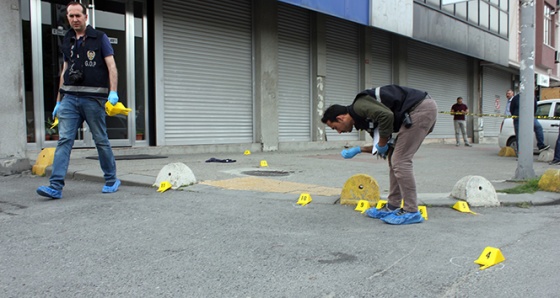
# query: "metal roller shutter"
382,61
443,74
494,85
343,68
294,72
207,72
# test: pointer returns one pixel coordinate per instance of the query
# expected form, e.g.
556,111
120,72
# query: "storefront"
44,26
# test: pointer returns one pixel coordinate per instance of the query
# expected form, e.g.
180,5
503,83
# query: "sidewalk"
322,173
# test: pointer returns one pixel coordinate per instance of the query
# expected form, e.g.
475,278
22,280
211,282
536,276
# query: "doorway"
44,27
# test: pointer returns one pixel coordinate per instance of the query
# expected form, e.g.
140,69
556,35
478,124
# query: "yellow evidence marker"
424,211
247,152
490,256
304,199
163,186
264,163
362,206
116,109
462,206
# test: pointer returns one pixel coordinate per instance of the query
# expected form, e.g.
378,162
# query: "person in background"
458,111
537,127
556,160
88,80
381,111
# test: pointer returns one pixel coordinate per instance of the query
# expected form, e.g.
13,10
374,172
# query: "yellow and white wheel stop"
360,187
44,159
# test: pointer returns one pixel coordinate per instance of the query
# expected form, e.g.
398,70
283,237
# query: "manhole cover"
266,173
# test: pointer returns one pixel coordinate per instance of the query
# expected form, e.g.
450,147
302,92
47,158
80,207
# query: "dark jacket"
397,98
87,59
514,106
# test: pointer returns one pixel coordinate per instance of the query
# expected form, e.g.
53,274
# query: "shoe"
544,148
555,163
457,144
49,192
403,218
113,188
468,145
381,213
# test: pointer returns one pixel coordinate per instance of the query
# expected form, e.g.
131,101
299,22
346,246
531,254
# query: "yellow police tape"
496,115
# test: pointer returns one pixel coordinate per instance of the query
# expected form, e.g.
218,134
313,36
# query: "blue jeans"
557,148
537,127
72,112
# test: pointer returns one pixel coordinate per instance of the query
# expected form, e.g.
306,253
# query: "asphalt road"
211,242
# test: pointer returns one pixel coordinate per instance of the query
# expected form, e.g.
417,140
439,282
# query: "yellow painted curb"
271,185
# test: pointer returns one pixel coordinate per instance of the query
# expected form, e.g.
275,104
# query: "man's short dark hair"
84,9
332,112
459,98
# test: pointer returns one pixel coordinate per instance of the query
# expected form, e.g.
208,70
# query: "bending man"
384,110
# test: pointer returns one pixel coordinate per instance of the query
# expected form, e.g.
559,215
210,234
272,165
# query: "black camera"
407,121
75,76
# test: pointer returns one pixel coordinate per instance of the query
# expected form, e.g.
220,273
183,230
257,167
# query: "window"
548,25
543,110
489,15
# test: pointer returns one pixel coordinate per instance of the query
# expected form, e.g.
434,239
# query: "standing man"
458,111
556,159
381,111
88,79
514,111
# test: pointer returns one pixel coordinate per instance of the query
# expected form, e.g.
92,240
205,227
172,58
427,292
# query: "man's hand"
382,150
55,111
349,153
113,97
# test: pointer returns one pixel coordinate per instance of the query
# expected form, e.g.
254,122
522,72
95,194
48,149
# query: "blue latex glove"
113,97
349,153
55,111
382,151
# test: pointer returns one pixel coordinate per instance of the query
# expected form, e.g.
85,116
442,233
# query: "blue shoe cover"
111,189
381,213
49,192
403,218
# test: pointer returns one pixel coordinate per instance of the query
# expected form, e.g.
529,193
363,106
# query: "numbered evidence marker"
264,163
362,206
247,152
424,211
304,199
490,256
382,203
163,186
462,206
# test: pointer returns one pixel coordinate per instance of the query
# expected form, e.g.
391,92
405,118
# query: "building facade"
218,75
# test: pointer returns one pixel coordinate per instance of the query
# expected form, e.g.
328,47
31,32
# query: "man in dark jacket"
88,80
537,127
382,111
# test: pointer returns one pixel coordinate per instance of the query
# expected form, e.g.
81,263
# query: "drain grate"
266,173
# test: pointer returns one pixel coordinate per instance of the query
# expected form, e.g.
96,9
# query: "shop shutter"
444,75
294,73
343,67
494,85
382,61
207,74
